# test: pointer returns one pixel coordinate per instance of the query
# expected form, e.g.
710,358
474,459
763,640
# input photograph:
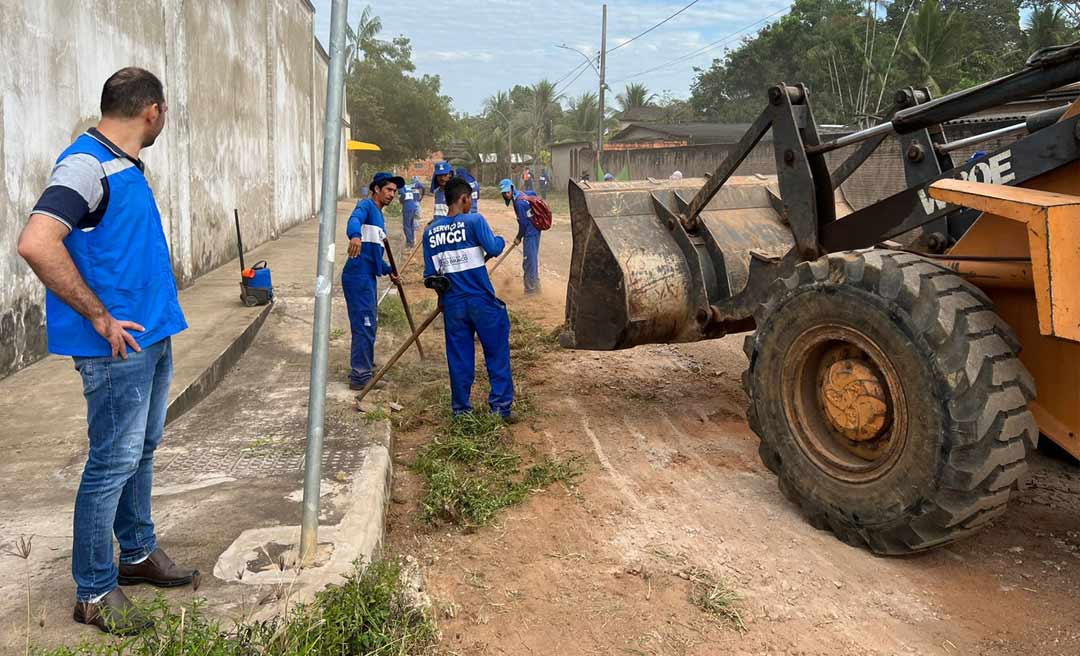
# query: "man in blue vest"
464,174
410,210
95,239
442,175
366,231
527,234
456,247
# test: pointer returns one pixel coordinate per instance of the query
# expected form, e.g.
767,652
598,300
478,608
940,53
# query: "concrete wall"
245,83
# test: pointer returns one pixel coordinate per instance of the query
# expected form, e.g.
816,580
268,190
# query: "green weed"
366,614
472,473
715,596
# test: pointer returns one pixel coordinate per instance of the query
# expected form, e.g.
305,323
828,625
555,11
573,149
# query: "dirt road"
673,485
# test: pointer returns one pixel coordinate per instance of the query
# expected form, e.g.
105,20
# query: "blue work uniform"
464,174
358,282
544,184
530,242
441,208
457,247
410,210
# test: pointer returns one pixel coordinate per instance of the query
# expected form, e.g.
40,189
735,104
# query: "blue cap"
383,176
505,185
443,168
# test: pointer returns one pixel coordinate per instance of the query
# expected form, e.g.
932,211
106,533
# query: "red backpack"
541,213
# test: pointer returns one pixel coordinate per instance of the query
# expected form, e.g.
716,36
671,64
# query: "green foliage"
633,96
471,473
853,55
406,115
368,613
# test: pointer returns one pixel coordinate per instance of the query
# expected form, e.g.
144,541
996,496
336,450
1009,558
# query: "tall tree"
360,40
933,45
544,109
1046,26
633,96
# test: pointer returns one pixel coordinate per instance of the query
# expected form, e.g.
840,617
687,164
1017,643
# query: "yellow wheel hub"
854,400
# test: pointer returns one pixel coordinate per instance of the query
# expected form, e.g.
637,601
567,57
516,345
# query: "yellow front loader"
904,356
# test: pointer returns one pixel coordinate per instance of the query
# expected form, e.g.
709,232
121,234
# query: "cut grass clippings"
367,614
471,473
715,596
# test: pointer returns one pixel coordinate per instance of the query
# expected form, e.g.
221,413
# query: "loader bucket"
630,279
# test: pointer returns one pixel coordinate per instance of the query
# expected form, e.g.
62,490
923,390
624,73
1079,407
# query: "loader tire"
889,399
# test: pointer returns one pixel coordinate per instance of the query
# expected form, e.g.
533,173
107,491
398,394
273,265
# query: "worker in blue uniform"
442,175
456,248
464,174
545,183
527,234
366,231
410,210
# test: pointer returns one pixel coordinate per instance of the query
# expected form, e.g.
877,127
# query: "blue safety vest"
457,247
367,223
124,259
410,199
441,208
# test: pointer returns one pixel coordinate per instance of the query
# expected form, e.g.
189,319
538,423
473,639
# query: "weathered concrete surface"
232,464
245,83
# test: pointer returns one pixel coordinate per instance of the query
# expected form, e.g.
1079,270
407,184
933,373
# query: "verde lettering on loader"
996,169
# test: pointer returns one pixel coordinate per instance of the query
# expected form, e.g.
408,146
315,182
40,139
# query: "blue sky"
516,42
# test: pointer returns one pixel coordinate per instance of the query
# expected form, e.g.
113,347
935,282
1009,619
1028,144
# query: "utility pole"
320,336
603,65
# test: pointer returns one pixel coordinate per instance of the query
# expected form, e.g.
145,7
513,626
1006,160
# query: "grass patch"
471,472
367,614
392,314
715,596
528,340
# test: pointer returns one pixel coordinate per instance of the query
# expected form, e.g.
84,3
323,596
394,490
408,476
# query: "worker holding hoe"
456,247
528,233
366,231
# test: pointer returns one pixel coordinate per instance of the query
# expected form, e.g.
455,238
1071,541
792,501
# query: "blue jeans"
485,318
530,262
126,402
360,299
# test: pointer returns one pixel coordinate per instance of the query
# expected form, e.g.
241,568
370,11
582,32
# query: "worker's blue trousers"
408,225
530,262
360,291
485,318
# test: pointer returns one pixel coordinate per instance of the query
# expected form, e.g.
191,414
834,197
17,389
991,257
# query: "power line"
626,43
571,82
572,71
699,51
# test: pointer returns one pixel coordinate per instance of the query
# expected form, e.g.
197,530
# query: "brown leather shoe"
159,570
114,613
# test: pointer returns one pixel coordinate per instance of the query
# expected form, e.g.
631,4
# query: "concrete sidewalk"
230,465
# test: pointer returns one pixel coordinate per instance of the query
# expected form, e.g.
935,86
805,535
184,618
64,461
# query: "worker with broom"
456,247
366,231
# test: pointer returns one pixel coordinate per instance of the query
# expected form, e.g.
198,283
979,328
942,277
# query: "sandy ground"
672,483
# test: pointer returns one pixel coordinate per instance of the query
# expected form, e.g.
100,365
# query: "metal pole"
603,69
985,136
320,338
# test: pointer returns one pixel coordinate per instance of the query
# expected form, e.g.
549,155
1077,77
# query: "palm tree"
545,107
1046,26
933,44
579,119
359,40
499,113
635,95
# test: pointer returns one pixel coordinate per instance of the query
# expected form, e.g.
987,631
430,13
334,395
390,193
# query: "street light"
587,58
509,145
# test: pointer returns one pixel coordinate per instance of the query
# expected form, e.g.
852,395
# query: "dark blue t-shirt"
457,247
